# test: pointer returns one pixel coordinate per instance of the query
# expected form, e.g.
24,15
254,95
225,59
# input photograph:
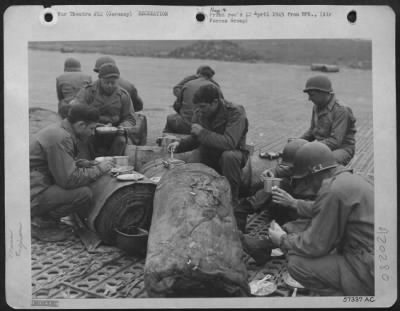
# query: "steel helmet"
290,150
312,158
72,64
101,61
108,70
319,83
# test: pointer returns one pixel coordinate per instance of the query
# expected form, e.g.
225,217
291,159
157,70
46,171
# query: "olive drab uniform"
67,86
335,254
334,125
58,185
116,109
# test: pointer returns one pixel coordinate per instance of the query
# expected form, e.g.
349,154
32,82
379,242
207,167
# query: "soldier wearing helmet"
125,84
331,123
69,83
293,213
115,107
334,255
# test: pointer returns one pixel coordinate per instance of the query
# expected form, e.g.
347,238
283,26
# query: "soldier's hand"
172,146
106,165
268,173
275,233
281,197
196,129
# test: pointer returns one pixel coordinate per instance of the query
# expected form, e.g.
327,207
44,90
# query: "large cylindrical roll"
194,249
120,204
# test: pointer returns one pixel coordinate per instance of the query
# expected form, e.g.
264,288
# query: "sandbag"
194,249
120,204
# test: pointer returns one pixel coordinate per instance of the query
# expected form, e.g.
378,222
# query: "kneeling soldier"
58,181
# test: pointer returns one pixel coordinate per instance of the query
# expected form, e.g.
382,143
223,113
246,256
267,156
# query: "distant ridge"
218,50
354,53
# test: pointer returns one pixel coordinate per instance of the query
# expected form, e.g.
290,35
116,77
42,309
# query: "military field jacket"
343,219
53,160
116,109
226,131
333,125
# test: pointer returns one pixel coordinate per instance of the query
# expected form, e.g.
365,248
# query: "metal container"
106,130
132,240
271,182
121,161
121,170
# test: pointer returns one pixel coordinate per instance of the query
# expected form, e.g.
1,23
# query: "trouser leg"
296,226
342,156
56,202
230,164
330,275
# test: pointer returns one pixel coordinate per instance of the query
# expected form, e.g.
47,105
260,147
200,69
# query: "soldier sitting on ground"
181,121
58,180
69,83
334,256
331,123
116,110
262,200
295,214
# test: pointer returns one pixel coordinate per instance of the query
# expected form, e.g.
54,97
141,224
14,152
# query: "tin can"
121,161
271,182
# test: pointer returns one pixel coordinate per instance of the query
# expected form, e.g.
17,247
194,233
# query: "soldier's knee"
230,156
295,266
85,194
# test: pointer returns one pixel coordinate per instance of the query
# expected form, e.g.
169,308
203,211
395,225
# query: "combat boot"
257,248
49,230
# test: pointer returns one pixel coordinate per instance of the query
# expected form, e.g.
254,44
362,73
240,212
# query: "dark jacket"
69,83
333,125
226,131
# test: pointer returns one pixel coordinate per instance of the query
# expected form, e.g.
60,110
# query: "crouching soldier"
58,182
281,206
218,139
283,170
334,256
116,110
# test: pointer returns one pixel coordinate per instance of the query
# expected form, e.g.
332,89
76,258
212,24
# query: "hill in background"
341,52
